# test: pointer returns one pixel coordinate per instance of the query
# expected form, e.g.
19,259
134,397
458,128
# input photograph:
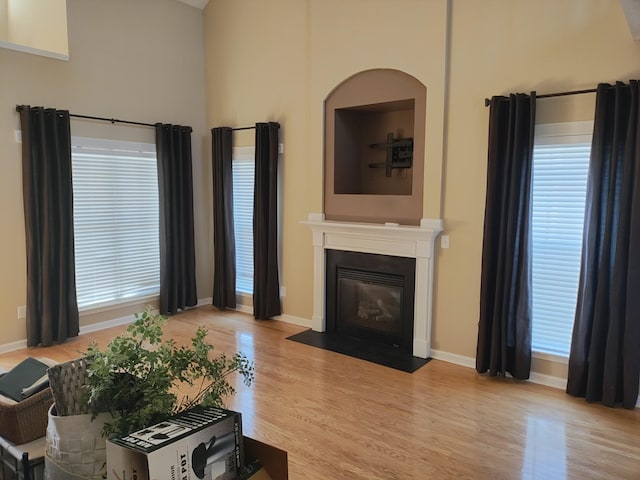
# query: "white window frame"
551,134
102,149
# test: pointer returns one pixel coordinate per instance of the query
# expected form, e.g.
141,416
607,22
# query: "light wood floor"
343,418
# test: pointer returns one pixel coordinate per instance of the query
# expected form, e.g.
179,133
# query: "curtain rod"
19,108
242,128
487,101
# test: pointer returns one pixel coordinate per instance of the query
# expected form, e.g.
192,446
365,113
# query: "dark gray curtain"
604,363
224,246
52,309
177,248
504,329
266,284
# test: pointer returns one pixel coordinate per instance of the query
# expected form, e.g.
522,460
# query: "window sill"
551,357
107,307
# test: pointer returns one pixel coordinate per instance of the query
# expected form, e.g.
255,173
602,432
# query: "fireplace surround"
374,158
408,241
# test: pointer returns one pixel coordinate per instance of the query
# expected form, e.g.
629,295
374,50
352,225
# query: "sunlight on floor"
545,454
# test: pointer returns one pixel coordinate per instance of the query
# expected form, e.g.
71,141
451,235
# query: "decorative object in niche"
399,153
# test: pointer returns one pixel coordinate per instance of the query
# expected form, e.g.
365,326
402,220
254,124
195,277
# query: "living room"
235,63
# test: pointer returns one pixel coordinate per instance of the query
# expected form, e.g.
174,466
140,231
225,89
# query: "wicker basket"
26,420
69,384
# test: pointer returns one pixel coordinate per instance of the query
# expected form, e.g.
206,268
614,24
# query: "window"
243,167
560,168
116,221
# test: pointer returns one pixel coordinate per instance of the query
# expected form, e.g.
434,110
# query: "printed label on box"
202,444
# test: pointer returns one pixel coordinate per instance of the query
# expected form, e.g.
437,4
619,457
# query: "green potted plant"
140,378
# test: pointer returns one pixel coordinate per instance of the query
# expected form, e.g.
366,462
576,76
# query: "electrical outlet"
444,241
22,311
18,136
283,292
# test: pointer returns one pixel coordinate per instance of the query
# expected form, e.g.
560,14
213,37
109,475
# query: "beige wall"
36,24
278,60
139,61
4,21
257,69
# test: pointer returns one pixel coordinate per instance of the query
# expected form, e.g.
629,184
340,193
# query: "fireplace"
374,202
370,297
415,243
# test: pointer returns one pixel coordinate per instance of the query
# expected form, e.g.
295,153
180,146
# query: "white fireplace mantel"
383,239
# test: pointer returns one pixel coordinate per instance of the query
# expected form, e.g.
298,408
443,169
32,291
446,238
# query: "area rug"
380,354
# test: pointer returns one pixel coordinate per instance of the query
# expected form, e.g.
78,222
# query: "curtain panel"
504,329
604,361
224,246
266,283
177,247
52,309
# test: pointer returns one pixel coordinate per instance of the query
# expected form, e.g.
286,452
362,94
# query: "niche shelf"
374,148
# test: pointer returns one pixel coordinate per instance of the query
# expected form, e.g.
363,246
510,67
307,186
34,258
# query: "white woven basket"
75,447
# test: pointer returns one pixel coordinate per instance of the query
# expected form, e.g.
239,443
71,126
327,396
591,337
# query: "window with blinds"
243,166
116,221
560,167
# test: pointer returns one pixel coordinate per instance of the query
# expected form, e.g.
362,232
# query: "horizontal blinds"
243,184
560,168
115,190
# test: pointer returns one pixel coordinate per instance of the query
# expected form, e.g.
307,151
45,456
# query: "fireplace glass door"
371,297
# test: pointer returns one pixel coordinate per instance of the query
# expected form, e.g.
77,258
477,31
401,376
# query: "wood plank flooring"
344,418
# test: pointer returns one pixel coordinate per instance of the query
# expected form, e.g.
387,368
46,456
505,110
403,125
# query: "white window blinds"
243,167
115,190
560,167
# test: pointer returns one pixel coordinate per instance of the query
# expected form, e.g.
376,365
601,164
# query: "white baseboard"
548,380
292,319
469,362
93,327
10,347
115,322
203,302
244,309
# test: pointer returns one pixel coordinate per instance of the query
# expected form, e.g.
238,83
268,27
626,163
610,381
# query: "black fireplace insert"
370,297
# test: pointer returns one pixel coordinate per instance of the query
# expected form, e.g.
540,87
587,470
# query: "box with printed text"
204,443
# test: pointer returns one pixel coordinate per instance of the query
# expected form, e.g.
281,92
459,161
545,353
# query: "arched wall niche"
374,147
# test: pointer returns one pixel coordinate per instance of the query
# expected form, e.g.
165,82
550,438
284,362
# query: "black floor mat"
381,354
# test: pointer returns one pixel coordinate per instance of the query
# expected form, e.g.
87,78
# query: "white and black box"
199,444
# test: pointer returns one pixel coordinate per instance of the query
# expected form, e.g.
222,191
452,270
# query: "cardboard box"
273,462
200,444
